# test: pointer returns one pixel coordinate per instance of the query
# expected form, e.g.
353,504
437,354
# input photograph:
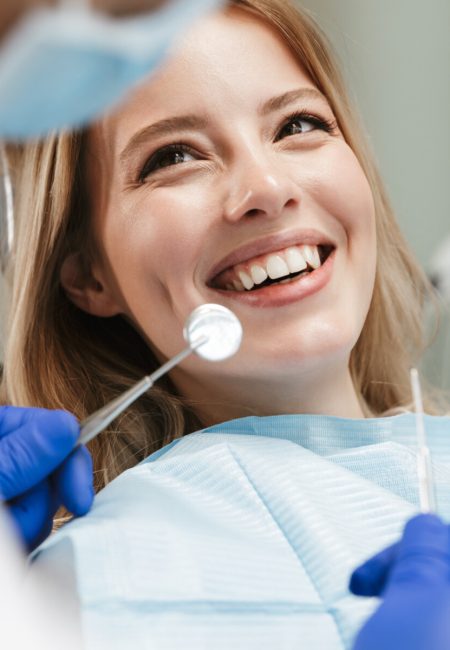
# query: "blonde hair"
60,357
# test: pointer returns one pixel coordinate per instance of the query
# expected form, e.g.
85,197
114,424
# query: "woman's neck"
219,400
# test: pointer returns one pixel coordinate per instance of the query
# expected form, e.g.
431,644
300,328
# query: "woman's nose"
257,188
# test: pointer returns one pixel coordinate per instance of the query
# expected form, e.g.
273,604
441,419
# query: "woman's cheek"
343,190
166,231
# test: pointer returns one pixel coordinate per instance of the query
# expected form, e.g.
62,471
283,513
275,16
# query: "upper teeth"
276,265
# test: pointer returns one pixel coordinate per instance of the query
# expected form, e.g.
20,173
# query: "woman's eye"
166,157
298,124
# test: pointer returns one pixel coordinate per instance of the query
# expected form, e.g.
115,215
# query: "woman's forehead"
231,56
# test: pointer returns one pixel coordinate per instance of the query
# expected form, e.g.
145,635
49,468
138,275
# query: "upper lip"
269,244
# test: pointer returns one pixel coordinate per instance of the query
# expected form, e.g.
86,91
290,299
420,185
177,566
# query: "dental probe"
212,331
6,210
424,469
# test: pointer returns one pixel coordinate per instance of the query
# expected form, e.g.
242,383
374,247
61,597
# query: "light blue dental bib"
244,535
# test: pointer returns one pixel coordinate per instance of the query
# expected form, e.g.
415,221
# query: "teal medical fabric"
244,535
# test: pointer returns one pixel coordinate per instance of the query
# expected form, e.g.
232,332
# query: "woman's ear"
85,290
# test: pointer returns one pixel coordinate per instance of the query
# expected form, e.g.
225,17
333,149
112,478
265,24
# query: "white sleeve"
37,609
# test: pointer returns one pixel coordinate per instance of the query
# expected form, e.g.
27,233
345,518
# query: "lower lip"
278,295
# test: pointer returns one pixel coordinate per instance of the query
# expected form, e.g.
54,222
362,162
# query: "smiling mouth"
280,267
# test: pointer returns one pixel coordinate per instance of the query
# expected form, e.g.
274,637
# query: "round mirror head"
220,329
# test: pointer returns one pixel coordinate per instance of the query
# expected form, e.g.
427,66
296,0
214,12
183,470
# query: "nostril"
252,213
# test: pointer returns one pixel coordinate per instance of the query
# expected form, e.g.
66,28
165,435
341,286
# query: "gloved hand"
413,579
39,471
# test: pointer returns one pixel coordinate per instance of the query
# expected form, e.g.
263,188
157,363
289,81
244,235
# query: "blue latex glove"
413,578
39,471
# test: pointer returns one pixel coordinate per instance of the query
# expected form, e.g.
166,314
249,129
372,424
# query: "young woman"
237,175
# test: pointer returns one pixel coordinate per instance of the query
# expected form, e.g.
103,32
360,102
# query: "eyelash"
151,164
320,123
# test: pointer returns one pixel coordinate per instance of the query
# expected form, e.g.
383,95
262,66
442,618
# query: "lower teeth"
296,277
269,283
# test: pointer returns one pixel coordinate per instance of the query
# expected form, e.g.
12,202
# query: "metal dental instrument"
424,469
6,211
212,331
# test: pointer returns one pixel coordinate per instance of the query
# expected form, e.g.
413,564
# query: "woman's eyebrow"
187,122
280,101
161,128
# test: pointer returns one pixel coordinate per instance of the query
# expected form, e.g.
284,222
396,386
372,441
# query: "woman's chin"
287,353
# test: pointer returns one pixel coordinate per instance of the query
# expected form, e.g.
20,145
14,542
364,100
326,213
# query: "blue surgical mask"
64,66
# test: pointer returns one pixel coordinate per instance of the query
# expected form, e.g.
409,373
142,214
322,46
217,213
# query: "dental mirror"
220,328
212,331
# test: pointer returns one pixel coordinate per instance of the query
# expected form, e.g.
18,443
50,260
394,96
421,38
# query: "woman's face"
224,169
